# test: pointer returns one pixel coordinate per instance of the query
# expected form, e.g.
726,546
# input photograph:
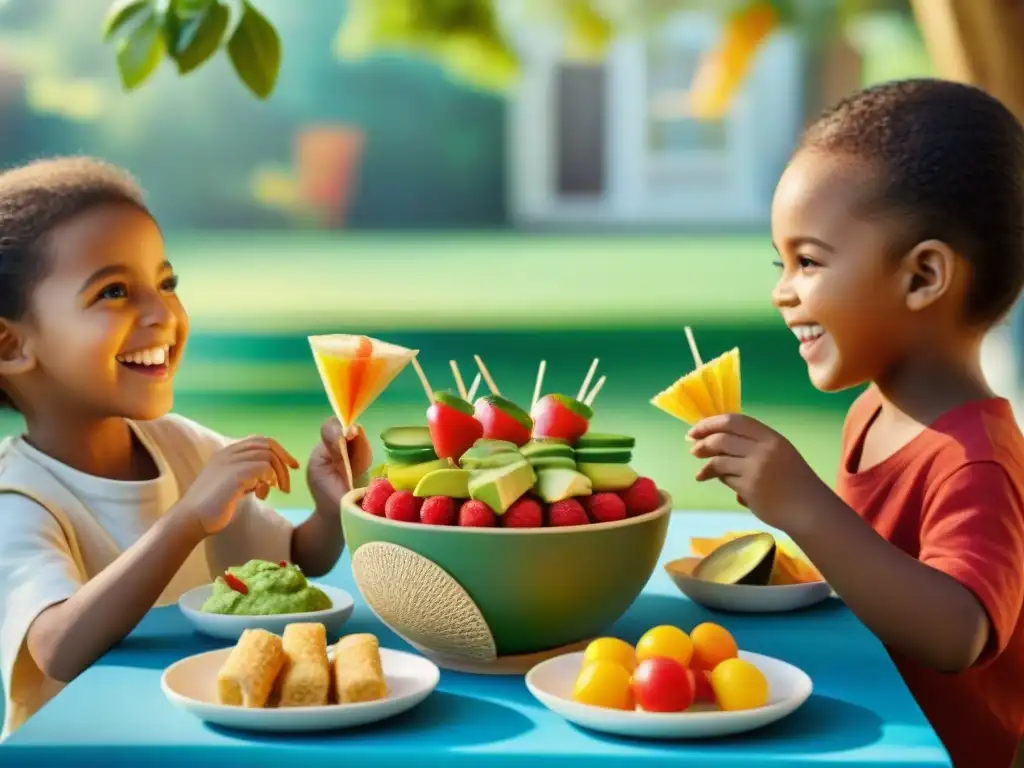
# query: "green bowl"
536,588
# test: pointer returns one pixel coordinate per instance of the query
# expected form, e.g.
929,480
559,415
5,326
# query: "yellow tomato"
611,649
712,644
604,684
738,684
668,641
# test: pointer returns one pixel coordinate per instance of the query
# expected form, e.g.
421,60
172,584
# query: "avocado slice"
540,448
745,560
405,477
381,470
551,462
499,488
500,459
559,484
608,477
453,483
407,437
409,455
605,440
604,455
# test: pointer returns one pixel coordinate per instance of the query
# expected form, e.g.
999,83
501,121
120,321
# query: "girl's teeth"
152,356
808,332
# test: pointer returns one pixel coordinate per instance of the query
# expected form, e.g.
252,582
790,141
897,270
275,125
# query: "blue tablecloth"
860,714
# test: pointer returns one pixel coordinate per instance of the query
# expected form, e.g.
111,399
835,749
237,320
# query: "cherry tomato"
702,690
662,685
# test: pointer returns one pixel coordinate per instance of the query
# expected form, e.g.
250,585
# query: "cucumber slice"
603,455
409,455
605,440
407,437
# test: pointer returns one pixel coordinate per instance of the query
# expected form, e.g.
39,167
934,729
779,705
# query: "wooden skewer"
540,378
586,381
346,460
693,347
423,380
486,374
472,389
595,390
458,380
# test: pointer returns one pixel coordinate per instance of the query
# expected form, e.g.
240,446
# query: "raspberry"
567,512
438,510
524,513
641,497
604,507
376,496
476,514
403,506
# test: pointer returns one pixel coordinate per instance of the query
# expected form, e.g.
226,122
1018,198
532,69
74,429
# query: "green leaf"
200,37
255,51
120,13
139,54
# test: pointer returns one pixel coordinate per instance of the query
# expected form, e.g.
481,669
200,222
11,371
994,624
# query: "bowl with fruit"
491,536
671,685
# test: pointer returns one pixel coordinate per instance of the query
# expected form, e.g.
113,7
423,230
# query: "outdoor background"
414,231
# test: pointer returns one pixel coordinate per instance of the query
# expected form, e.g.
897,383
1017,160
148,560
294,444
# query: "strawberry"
562,417
377,495
403,506
503,420
453,428
641,497
438,510
524,513
567,512
604,507
476,514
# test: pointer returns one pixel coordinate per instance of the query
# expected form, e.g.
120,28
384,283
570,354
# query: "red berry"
702,690
524,513
476,514
567,512
403,506
282,563
662,685
236,583
438,510
604,507
376,497
641,497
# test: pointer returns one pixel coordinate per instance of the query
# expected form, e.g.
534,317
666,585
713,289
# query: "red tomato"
702,690
662,685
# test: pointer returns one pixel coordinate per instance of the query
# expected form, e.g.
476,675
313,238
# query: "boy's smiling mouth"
809,335
149,361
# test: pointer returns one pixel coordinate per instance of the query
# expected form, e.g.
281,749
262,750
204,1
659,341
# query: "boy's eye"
806,263
170,283
114,291
777,264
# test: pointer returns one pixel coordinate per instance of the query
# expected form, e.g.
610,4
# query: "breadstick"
305,680
358,674
247,677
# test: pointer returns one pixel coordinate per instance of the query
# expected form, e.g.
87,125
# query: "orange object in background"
722,71
326,162
788,569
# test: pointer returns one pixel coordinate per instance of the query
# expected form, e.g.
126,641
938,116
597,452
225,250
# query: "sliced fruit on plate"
608,477
562,417
407,437
500,487
453,483
405,477
503,420
747,560
603,455
453,428
791,565
559,484
605,440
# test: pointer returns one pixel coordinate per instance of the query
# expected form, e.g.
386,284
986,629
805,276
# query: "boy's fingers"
722,444
720,467
733,423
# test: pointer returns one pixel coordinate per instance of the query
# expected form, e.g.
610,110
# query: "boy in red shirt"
899,223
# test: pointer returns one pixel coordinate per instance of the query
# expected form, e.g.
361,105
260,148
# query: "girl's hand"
253,465
325,473
769,475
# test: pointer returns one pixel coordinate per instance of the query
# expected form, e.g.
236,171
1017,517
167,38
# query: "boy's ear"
16,355
929,270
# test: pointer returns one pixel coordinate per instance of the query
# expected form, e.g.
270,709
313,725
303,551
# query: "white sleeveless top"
60,527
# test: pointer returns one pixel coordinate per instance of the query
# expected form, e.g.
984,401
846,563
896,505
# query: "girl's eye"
114,291
170,284
806,263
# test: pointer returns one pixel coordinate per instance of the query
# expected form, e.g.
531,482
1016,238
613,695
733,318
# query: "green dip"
271,589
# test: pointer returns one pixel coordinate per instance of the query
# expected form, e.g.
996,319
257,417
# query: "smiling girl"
109,504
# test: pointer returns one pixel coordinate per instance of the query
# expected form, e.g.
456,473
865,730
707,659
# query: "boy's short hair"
37,198
950,159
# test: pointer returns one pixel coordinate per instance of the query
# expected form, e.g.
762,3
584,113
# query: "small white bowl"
551,682
742,598
191,685
230,626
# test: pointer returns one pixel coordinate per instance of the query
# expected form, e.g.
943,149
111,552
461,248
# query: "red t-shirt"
953,498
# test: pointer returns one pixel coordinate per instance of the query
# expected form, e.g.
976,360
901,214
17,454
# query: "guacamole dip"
262,588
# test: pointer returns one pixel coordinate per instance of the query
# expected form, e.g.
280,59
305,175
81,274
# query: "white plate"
191,684
230,627
552,681
741,598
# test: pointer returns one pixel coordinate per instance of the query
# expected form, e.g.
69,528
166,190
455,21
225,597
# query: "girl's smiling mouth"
810,336
149,361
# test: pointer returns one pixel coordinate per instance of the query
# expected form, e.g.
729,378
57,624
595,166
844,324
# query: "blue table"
860,714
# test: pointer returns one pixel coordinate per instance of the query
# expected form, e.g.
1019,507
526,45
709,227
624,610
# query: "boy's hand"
325,473
769,475
252,465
